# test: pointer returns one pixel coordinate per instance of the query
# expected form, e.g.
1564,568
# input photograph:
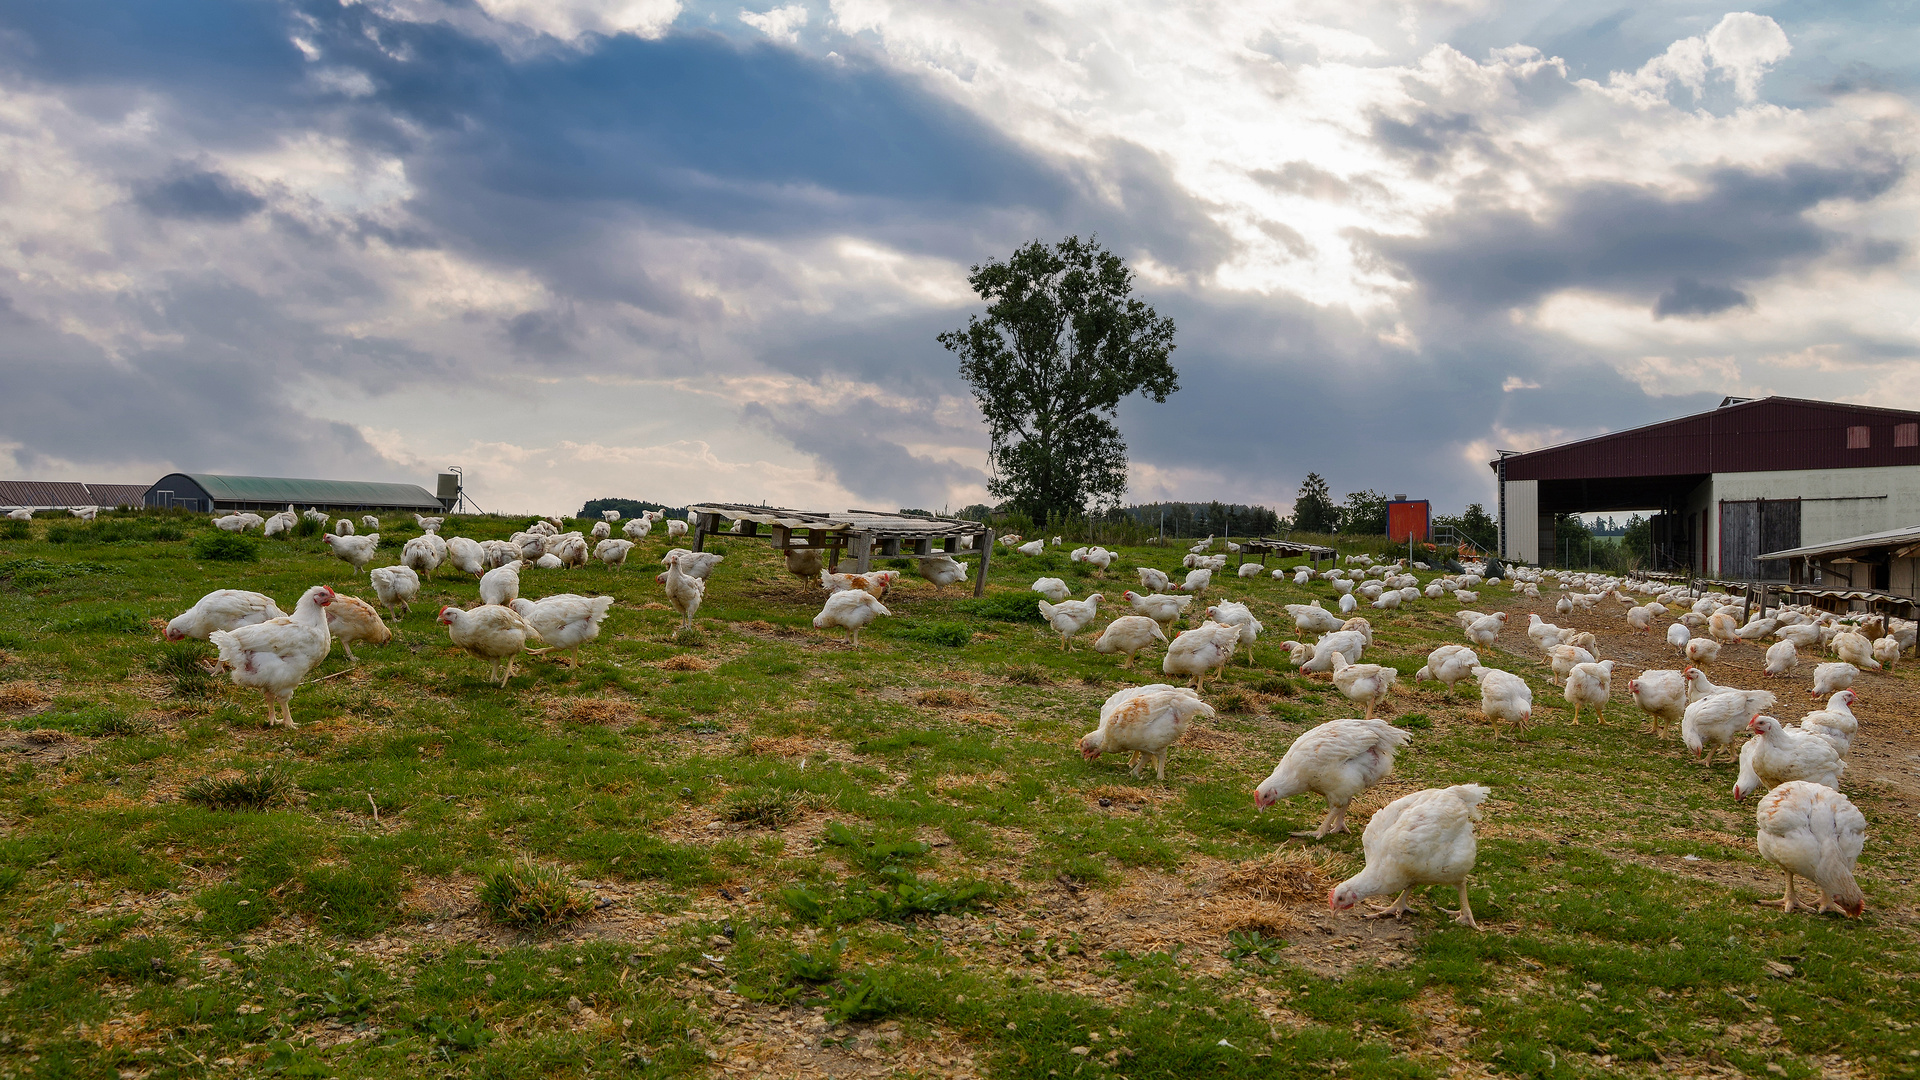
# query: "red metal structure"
1409,519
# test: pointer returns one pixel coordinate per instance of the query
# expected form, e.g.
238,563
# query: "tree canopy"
1314,511
1062,341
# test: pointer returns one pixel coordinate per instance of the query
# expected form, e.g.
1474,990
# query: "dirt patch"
948,698
684,662
44,747
599,711
764,629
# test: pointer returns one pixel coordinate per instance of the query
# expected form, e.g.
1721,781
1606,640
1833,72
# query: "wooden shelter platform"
861,534
1286,549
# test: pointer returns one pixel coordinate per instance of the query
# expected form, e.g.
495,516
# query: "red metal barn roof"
1753,436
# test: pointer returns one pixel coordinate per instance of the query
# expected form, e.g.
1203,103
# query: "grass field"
754,851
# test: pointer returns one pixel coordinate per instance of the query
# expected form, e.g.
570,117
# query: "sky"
680,251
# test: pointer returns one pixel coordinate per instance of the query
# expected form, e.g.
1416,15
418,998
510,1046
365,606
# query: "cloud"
1690,298
198,195
780,24
1741,48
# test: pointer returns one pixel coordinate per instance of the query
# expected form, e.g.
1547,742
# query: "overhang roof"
275,489
1774,433
1892,538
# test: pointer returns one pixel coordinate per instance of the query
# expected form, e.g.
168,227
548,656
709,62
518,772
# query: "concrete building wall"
1522,526
1835,503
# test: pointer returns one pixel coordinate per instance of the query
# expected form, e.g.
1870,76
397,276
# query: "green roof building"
208,493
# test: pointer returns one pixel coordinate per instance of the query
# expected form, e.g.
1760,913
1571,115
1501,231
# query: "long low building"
1725,487
68,494
208,493
1882,562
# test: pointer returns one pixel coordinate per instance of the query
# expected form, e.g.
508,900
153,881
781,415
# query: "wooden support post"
749,528
951,545
986,560
890,547
923,546
782,536
860,546
699,532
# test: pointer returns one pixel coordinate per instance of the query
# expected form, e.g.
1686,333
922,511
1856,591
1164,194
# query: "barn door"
1739,539
1779,530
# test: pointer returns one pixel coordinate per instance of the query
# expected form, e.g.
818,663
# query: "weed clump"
183,664
529,896
898,897
950,634
1003,607
96,722
117,621
762,809
1028,675
305,528
1416,721
225,547
19,696
258,790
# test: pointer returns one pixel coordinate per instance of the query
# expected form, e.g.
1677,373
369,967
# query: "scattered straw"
19,696
991,719
684,662
948,698
1270,919
1284,876
597,711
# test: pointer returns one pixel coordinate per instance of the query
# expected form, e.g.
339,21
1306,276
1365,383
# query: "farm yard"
751,849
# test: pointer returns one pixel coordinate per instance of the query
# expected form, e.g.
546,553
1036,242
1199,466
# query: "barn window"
1906,434
1859,438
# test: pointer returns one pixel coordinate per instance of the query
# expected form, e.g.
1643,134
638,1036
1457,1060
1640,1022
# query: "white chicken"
1312,618
636,528
223,609
1367,684
1886,651
429,524
1425,838
424,553
943,570
1777,754
1563,659
1052,588
1160,608
1782,658
1032,547
355,551
600,531
805,563
1640,619
613,553
1662,695
1590,684
1196,581
397,587
1856,649
1832,678
685,591
566,620
1485,630
1836,723
274,656
1128,634
371,522
1204,648
280,523
466,556
1712,721
1677,636
570,549
676,529
697,564
610,515
876,582
500,586
1152,580
351,619
1144,721
1543,634
1232,614
1338,760
1504,696
1251,569
1702,651
344,527
852,609
1069,617
1099,558
1816,833
491,632
1448,665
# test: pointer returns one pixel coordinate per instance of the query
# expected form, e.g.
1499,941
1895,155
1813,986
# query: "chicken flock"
1805,825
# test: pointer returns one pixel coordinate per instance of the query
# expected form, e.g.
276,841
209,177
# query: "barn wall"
1523,513
1835,503
1700,519
1905,577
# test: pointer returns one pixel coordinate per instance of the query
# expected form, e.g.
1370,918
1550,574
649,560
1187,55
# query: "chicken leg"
1786,903
1334,822
1464,916
1398,909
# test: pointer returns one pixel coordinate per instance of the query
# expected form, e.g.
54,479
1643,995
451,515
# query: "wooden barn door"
1753,526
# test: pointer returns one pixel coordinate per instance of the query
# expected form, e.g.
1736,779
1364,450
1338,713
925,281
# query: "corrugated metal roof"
275,489
44,493
117,494
1865,542
1774,433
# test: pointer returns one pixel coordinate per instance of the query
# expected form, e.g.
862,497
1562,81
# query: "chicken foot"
1463,916
1398,909
1334,822
1786,903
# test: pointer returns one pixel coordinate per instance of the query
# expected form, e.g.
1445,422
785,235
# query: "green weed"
261,789
1003,607
762,809
529,896
222,546
183,663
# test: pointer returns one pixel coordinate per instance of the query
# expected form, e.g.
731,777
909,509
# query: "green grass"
893,847
226,547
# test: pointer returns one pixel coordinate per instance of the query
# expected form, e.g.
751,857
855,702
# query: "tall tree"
1315,511
1062,341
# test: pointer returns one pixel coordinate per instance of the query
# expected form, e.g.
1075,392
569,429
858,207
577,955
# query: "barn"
68,494
1752,477
208,493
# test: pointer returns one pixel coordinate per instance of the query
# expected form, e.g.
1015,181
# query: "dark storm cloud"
861,443
190,408
198,195
1690,298
1634,241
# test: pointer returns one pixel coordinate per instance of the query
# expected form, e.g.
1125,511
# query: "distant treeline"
628,508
